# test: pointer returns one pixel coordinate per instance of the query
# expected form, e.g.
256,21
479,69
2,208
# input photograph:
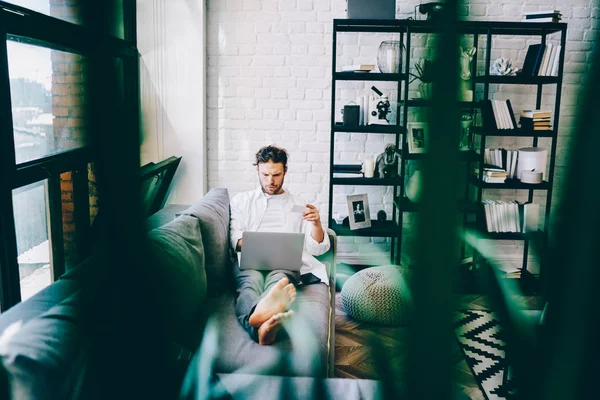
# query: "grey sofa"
191,282
237,352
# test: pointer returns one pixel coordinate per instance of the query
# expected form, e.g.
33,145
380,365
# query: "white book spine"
542,70
556,61
551,60
496,114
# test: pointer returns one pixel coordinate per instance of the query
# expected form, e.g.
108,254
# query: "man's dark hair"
271,153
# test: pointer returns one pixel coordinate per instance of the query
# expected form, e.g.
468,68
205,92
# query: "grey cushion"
46,358
178,272
378,295
39,303
239,351
213,212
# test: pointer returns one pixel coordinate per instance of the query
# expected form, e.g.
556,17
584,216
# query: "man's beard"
271,189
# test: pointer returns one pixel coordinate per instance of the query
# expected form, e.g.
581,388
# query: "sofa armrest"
330,261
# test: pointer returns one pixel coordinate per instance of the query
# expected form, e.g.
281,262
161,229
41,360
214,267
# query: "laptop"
272,250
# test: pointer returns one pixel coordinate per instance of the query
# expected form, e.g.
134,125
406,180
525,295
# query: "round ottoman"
377,295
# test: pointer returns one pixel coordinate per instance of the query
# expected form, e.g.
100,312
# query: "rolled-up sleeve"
312,247
236,225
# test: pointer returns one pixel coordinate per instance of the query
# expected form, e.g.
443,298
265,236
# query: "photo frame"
358,211
418,137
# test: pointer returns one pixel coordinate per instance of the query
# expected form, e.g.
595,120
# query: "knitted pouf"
377,295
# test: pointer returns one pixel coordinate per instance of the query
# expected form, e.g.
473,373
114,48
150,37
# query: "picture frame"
358,211
418,137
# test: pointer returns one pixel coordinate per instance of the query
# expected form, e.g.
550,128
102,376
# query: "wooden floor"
354,351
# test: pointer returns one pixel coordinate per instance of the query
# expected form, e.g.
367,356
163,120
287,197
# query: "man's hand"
311,214
239,245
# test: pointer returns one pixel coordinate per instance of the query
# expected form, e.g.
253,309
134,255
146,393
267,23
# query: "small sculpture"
502,66
386,164
465,92
381,216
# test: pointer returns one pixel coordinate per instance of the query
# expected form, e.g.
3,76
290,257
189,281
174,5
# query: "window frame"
30,27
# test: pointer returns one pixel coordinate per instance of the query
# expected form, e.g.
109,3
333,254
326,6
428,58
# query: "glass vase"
389,56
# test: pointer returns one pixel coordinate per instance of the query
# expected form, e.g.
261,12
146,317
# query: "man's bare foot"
268,330
279,298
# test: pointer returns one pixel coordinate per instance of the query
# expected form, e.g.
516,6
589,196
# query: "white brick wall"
269,80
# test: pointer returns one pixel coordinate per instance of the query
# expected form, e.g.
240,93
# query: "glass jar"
389,56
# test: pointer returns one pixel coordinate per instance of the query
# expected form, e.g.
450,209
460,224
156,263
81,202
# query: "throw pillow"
213,213
178,271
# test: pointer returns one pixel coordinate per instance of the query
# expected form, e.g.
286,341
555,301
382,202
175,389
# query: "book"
511,114
544,15
556,61
541,12
536,113
356,167
347,175
532,60
551,60
513,167
359,68
541,20
531,217
545,60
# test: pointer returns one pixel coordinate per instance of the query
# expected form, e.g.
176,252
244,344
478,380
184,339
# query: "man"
264,297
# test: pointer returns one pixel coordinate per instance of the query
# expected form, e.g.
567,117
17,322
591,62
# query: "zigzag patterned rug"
480,337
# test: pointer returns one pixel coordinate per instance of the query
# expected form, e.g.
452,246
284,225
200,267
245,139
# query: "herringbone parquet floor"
356,356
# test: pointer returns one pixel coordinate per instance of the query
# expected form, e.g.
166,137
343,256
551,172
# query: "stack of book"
542,16
536,120
541,60
494,175
348,170
502,216
505,160
498,114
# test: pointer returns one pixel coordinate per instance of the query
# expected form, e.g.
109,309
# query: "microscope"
379,109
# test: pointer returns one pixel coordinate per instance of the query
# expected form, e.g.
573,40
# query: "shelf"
463,27
517,80
366,181
462,155
386,129
405,205
509,184
512,132
428,103
377,229
368,76
483,234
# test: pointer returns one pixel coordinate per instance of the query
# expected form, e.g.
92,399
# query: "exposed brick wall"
269,81
68,107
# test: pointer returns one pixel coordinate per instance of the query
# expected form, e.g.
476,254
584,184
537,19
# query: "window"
46,158
33,246
47,98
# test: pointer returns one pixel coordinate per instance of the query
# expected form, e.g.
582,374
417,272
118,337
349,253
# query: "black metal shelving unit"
487,29
517,29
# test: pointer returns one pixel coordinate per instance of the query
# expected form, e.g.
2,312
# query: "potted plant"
424,69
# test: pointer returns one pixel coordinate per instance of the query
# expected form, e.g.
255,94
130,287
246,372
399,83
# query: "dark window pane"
48,100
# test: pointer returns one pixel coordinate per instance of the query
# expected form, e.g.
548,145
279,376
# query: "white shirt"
272,220
247,211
